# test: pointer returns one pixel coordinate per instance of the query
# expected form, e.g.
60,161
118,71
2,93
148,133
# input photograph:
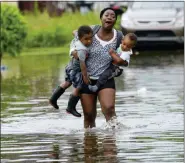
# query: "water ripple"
148,128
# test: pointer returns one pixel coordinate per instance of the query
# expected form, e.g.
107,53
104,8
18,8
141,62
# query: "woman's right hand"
74,32
74,54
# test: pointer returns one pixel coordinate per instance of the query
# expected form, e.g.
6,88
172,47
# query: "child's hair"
132,38
84,29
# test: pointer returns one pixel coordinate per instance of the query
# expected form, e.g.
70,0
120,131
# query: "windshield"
149,5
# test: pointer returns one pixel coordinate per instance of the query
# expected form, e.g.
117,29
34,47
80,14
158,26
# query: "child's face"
86,39
126,44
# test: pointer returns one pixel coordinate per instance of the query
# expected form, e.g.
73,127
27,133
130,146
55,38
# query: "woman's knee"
108,109
89,119
107,101
89,116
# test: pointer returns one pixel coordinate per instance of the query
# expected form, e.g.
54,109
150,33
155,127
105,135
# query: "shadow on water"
149,106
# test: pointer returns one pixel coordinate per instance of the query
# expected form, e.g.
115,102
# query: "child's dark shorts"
73,77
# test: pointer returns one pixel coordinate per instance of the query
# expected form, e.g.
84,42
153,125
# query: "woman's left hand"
74,54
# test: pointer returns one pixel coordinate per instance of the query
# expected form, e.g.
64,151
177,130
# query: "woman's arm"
74,54
116,59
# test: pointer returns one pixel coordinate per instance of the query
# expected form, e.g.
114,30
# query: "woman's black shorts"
109,84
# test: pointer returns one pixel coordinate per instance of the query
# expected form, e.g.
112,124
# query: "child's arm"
84,72
82,58
82,66
116,59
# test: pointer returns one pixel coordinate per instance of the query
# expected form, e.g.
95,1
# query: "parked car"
155,21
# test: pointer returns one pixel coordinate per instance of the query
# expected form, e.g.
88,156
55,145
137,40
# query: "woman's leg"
106,97
88,102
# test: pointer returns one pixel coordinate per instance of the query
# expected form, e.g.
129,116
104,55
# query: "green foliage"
46,37
45,31
118,22
13,30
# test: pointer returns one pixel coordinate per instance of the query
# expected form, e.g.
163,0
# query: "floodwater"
149,108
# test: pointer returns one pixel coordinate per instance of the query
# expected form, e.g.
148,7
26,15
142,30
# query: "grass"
45,31
40,51
68,20
45,51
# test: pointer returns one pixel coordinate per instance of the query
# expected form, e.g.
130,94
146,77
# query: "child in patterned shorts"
75,71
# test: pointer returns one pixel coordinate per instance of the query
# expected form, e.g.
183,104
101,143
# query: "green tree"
13,30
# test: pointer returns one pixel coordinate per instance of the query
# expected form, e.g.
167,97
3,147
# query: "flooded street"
149,106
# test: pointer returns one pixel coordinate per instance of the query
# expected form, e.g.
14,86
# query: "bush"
46,37
13,30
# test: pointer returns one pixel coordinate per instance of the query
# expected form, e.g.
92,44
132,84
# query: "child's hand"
86,81
89,80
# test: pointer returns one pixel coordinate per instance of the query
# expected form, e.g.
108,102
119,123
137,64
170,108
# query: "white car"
155,21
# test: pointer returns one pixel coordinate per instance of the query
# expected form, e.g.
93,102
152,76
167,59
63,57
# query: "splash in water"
142,91
113,124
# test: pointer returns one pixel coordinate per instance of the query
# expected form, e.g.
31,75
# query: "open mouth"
108,22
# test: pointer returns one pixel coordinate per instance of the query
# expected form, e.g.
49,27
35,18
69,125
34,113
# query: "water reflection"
100,148
95,147
149,105
55,152
90,147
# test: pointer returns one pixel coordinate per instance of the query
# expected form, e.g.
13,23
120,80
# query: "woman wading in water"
105,38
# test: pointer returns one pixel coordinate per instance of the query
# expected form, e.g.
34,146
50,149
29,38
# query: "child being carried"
75,72
120,58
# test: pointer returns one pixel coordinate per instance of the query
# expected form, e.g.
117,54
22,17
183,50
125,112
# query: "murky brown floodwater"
149,106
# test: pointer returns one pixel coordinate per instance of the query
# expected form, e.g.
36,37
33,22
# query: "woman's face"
108,19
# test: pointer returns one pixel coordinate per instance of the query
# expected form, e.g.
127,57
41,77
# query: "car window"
149,5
